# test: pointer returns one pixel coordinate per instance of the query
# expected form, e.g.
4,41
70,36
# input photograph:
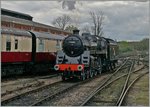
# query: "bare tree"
61,21
97,18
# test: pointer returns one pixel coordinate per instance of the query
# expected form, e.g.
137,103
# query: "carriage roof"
19,32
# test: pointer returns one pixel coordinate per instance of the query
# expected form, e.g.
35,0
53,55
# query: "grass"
139,93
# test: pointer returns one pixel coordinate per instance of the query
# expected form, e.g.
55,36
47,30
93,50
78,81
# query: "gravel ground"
75,96
108,96
31,98
34,84
22,80
11,85
14,84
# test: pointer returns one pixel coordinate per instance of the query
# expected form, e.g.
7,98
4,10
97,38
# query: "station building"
13,19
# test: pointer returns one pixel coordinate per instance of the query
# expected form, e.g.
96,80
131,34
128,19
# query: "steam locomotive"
85,56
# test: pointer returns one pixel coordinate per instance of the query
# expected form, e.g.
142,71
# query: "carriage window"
58,46
8,46
16,44
41,45
8,43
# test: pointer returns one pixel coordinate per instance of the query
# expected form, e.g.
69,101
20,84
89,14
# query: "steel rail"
18,96
52,96
43,87
55,94
114,72
126,82
105,85
33,79
27,86
62,91
28,92
20,88
136,79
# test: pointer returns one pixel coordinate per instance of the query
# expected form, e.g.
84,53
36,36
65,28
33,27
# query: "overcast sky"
124,20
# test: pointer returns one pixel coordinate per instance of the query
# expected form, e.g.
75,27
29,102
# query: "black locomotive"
86,55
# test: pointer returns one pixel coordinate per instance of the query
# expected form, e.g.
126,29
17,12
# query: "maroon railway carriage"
27,51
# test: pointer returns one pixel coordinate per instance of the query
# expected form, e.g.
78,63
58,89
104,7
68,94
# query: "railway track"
35,96
30,79
120,100
108,81
51,97
28,98
51,100
51,93
15,89
98,97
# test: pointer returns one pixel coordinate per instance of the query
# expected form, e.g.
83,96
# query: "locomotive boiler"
85,56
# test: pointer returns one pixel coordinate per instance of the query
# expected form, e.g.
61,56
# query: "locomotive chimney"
76,31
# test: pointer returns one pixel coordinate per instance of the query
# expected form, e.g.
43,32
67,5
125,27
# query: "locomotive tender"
85,56
27,51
